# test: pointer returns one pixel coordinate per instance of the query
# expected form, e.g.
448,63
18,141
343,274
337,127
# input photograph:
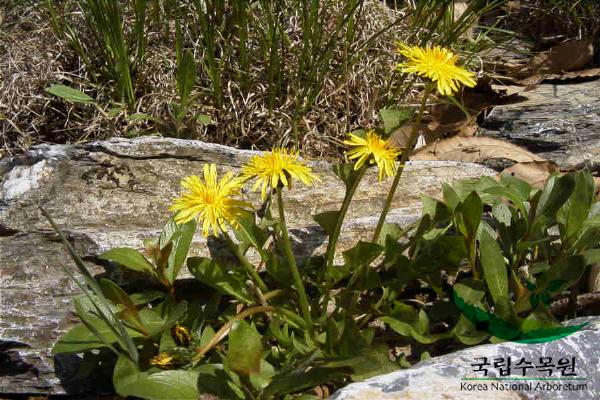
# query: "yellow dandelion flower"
374,149
163,360
210,199
181,335
438,64
278,165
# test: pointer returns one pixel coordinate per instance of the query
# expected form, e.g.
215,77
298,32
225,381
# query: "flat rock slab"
558,122
117,193
447,377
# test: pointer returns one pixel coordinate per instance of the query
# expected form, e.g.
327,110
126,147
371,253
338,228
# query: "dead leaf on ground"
534,80
584,73
445,120
534,172
473,149
432,131
564,57
562,62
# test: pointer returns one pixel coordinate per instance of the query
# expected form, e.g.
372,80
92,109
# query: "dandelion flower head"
210,200
438,64
277,166
375,149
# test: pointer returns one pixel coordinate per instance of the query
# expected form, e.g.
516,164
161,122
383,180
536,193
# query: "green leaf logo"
489,322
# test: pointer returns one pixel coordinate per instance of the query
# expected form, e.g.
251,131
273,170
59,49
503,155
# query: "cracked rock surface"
558,122
116,193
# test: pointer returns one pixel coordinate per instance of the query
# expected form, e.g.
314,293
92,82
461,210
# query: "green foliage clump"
482,263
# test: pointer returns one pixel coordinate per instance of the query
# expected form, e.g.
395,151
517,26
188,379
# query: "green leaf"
566,271
248,232
244,349
361,254
186,76
181,239
464,187
482,319
146,296
128,258
389,231
300,379
409,322
592,256
169,230
466,333
576,209
494,267
277,267
216,276
327,220
351,342
406,329
469,215
214,380
163,316
84,337
501,211
70,94
204,119
437,210
164,385
80,338
393,118
372,361
263,379
517,186
95,297
556,192
126,373
539,319
346,173
118,296
491,196
470,290
450,197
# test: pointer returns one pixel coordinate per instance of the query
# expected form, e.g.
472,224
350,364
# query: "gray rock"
443,378
116,193
558,122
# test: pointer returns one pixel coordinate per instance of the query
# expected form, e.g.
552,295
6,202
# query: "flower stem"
245,262
412,141
333,238
287,248
330,253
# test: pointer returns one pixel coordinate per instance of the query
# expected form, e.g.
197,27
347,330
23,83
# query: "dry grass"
31,59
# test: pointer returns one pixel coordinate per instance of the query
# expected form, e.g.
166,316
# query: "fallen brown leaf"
562,62
473,149
534,172
564,57
445,120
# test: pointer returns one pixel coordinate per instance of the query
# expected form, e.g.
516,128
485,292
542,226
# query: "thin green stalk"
333,238
331,245
287,248
405,156
245,263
